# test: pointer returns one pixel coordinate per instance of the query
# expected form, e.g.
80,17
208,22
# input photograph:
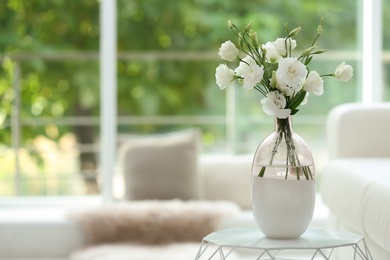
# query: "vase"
283,183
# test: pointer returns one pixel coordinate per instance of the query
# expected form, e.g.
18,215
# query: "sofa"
355,183
56,231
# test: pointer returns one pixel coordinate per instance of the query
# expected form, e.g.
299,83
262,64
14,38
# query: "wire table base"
318,242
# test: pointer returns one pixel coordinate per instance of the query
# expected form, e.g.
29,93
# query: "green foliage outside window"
55,44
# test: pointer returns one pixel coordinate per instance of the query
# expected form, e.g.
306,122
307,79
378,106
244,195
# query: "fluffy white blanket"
152,222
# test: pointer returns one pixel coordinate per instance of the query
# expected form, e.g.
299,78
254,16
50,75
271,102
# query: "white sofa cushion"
37,233
227,177
357,130
357,190
163,166
376,213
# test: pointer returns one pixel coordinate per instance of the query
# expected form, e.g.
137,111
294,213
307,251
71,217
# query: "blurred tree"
52,88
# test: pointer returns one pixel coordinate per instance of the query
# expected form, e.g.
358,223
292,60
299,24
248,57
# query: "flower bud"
286,26
308,51
248,26
253,36
230,24
319,29
343,72
320,51
294,32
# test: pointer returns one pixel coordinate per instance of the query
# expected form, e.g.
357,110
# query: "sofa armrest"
358,130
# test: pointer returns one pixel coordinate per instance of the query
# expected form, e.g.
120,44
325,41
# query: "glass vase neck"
283,124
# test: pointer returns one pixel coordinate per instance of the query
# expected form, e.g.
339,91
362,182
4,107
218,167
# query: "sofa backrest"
358,130
226,177
171,166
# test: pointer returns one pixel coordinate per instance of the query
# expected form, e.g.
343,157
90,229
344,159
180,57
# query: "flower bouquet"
281,76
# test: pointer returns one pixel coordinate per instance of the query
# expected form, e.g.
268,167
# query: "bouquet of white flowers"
284,80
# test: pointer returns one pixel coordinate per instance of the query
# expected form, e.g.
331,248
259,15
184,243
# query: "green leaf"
308,60
294,111
296,100
262,171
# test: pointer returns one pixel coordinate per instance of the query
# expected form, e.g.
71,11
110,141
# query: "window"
167,54
49,113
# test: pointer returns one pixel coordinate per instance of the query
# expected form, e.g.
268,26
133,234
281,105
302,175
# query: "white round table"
319,242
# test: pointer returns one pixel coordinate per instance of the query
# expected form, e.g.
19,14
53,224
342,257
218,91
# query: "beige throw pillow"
161,166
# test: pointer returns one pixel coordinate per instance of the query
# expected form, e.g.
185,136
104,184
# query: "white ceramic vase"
283,183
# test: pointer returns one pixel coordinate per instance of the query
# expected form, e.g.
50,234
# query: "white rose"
343,72
314,84
280,45
290,75
224,76
228,51
250,71
274,105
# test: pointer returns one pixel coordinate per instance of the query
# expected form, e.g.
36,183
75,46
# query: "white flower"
228,51
273,70
290,75
271,53
314,84
343,72
304,101
281,44
277,49
250,71
274,105
224,76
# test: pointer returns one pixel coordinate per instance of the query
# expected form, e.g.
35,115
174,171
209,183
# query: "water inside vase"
301,172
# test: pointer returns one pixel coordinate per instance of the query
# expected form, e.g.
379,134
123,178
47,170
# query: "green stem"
292,158
274,151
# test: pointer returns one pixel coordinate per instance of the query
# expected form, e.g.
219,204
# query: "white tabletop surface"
313,238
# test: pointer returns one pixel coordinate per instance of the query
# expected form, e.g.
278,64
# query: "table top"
313,238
